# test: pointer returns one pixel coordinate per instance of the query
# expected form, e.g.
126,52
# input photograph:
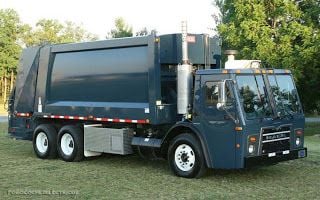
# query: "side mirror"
222,100
222,96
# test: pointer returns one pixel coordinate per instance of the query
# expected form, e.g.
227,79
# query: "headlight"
298,141
251,148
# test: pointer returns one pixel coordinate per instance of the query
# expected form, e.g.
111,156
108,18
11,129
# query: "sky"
97,16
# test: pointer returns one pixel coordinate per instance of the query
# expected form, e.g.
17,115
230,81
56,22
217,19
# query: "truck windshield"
284,93
253,96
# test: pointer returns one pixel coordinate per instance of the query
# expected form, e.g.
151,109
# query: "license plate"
302,153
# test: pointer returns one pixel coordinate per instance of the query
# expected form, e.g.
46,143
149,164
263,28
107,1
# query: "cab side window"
212,93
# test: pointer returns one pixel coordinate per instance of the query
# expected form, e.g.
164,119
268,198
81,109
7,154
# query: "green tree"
53,32
310,82
122,29
284,34
10,31
144,31
14,34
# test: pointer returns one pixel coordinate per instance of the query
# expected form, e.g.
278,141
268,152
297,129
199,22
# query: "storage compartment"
107,140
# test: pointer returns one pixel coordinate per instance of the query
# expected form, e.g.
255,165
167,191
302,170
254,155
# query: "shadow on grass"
135,162
132,161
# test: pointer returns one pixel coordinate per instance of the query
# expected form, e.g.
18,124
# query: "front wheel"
185,156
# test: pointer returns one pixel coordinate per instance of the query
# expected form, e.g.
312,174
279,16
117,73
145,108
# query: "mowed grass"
312,129
130,177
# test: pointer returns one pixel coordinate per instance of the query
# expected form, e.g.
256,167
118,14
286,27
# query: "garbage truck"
164,97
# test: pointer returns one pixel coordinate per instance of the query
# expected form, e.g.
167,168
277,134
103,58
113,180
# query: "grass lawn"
312,129
118,177
312,114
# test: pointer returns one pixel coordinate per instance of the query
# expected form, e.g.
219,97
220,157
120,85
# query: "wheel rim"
42,142
67,144
184,157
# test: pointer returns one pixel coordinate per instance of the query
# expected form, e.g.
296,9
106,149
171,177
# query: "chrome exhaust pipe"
184,84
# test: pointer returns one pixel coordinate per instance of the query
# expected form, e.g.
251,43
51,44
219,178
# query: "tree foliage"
122,29
284,34
50,31
144,31
10,30
14,35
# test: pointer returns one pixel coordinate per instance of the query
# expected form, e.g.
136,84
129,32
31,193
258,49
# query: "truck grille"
275,139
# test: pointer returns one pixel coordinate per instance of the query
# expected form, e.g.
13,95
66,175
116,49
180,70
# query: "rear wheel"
185,156
70,143
45,141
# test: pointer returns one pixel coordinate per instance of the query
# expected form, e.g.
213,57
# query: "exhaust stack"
184,35
184,76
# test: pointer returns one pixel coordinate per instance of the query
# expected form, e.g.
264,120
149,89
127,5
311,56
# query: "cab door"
217,125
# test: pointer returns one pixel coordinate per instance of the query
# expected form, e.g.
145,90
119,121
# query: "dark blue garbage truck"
160,97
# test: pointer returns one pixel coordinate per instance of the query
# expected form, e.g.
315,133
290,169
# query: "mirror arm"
224,93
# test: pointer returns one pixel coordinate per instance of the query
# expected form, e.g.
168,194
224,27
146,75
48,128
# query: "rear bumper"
265,159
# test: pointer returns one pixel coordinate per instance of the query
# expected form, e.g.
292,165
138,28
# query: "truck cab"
248,116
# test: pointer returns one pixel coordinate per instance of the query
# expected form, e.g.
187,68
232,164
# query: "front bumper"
279,157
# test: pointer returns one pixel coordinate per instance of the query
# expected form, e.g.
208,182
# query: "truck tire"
70,143
185,156
45,141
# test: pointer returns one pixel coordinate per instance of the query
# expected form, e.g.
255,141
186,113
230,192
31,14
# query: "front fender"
182,127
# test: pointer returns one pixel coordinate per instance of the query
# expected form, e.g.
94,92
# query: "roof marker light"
270,71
